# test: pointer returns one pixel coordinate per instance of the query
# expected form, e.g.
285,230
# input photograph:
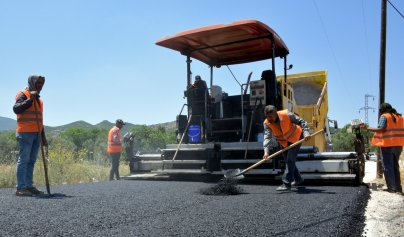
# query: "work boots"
34,190
283,187
296,183
23,192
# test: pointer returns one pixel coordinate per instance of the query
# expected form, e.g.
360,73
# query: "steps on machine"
252,172
240,161
182,171
184,161
189,147
241,146
185,149
322,176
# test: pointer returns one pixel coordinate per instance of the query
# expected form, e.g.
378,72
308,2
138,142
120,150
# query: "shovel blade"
234,174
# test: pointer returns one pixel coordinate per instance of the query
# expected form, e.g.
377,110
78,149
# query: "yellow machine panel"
307,94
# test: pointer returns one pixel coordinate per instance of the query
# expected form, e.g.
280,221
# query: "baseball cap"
120,121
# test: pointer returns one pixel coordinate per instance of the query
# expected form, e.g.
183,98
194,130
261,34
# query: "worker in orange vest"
389,136
115,148
287,128
29,117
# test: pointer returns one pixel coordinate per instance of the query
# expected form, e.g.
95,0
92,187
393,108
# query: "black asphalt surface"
173,208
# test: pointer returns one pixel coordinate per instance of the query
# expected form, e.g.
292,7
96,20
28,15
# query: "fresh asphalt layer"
174,208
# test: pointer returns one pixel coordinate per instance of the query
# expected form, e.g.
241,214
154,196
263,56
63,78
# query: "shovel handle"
42,152
279,152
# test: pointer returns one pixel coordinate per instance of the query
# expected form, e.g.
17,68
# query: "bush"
76,155
8,148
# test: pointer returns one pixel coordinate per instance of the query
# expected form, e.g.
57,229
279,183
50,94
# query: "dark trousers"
291,172
390,157
115,157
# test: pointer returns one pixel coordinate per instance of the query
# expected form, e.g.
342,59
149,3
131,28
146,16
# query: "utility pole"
382,72
366,108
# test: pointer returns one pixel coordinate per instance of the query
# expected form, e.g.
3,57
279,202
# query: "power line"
367,46
329,44
395,8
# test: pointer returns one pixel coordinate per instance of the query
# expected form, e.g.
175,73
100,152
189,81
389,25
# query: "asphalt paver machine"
218,132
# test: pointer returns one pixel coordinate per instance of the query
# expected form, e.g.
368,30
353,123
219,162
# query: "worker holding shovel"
287,128
29,110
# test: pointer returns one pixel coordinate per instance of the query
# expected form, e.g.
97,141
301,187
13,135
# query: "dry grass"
76,173
7,176
63,168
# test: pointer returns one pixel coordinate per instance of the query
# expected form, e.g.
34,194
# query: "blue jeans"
390,157
28,143
291,172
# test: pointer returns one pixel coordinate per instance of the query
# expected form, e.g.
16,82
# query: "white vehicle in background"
371,156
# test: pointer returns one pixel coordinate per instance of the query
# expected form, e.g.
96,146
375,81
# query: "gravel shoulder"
385,211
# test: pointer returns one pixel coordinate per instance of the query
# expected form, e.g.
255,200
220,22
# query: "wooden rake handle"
182,137
280,152
42,152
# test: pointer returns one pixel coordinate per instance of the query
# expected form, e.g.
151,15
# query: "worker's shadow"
53,196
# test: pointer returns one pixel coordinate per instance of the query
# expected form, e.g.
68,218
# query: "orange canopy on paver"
226,44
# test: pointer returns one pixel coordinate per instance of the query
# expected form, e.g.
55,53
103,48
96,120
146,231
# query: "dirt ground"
385,211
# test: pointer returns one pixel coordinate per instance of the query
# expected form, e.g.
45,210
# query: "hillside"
7,124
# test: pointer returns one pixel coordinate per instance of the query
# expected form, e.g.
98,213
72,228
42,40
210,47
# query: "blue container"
194,133
260,137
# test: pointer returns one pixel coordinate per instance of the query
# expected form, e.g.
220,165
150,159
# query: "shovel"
42,152
237,174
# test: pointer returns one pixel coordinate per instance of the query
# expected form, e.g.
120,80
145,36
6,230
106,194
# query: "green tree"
88,142
77,135
8,147
148,139
61,143
344,141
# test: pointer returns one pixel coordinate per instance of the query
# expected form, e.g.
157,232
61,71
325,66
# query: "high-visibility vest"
112,146
27,121
393,135
290,131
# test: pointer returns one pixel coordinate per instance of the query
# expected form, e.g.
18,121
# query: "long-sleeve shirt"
382,122
22,103
269,138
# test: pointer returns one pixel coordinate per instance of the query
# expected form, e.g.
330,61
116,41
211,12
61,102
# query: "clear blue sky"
101,62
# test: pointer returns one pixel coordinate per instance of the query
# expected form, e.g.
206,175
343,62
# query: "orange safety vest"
27,120
393,135
112,146
290,131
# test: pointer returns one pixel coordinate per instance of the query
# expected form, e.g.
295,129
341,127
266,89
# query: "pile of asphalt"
226,186
170,208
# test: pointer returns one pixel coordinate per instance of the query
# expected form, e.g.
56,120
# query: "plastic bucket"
194,133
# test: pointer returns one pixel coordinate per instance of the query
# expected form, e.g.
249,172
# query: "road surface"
170,208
